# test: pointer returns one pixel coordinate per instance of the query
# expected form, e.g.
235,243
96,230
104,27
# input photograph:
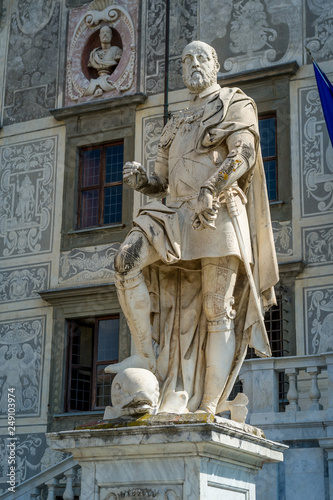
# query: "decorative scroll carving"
317,157
318,243
251,36
116,17
27,197
28,450
252,33
249,30
282,232
21,345
183,21
52,457
33,16
319,26
88,264
31,81
23,283
320,320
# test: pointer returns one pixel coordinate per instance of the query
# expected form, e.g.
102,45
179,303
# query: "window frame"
265,116
101,187
94,362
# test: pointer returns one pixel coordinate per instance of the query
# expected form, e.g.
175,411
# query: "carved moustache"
202,73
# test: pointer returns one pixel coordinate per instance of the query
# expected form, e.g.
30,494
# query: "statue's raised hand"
206,210
134,174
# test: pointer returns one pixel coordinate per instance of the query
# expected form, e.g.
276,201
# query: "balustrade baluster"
69,492
314,393
51,485
35,494
292,394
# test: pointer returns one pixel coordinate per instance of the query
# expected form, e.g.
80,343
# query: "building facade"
79,101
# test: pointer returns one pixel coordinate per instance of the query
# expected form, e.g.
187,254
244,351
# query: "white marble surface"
188,460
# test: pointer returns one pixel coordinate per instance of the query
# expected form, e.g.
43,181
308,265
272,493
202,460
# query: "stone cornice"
97,106
289,69
57,295
291,269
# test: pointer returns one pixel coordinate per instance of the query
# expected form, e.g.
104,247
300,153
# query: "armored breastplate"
188,169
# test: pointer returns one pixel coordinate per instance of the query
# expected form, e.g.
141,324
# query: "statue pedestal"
168,457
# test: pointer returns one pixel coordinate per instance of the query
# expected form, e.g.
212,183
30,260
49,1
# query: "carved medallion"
102,52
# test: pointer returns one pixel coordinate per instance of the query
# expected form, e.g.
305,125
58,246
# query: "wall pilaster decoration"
318,245
319,29
152,127
28,193
29,449
183,29
31,80
282,233
23,282
102,46
21,360
319,320
253,33
316,155
90,264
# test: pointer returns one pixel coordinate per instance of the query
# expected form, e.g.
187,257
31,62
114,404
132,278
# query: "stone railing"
61,480
308,394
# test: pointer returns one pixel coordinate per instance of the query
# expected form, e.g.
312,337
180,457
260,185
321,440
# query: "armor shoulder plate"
170,130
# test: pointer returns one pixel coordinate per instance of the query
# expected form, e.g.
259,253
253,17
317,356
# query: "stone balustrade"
308,384
61,480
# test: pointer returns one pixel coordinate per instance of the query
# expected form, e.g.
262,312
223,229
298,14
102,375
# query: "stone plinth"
188,457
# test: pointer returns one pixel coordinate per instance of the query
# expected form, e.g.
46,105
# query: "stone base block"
186,457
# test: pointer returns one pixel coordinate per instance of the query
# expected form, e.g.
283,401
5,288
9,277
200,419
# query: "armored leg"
133,255
218,282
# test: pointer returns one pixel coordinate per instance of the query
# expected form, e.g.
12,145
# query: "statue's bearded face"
200,68
105,35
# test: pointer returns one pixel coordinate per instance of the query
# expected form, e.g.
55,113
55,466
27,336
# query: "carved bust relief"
104,59
102,51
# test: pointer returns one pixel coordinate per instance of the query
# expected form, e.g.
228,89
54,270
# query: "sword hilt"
231,203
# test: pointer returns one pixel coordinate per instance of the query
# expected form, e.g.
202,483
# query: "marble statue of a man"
106,56
103,59
179,273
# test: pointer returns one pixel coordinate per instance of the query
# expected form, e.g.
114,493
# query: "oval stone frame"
122,78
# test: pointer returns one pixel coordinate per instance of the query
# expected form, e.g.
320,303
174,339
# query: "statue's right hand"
134,174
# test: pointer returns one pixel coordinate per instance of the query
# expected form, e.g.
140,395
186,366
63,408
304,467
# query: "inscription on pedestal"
167,492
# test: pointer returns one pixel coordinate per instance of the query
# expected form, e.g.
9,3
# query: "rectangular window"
267,130
276,331
100,185
275,327
93,345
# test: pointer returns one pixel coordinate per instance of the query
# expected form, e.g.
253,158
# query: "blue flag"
325,89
